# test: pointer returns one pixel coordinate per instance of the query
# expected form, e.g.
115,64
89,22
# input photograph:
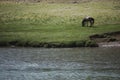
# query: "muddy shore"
111,39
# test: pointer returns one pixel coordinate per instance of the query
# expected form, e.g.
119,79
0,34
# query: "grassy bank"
55,25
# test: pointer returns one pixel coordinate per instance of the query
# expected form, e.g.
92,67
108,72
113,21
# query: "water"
60,64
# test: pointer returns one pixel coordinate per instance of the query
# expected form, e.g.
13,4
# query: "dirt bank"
111,39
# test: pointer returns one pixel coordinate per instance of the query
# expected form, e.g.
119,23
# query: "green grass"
59,22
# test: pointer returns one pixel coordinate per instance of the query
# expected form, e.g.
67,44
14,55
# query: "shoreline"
70,44
110,39
109,44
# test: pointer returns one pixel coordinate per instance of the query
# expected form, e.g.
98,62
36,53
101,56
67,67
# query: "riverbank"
110,39
55,24
84,43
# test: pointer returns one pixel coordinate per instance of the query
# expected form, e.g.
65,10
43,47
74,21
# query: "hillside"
60,1
41,24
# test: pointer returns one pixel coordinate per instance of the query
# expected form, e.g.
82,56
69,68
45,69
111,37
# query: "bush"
91,43
3,43
80,43
70,44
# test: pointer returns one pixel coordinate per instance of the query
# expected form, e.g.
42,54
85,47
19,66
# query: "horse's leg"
86,23
83,23
90,24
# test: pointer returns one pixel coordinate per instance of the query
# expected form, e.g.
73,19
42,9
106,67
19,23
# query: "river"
60,63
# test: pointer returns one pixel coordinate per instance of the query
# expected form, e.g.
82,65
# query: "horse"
88,21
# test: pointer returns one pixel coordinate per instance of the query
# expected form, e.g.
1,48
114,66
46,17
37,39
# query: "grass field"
36,23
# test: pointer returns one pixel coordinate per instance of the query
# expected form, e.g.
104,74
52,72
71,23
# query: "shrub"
4,43
80,43
91,43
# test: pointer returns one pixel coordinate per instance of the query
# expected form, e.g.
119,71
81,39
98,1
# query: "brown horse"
88,21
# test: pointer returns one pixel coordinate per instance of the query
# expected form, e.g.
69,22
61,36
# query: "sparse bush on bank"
50,45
